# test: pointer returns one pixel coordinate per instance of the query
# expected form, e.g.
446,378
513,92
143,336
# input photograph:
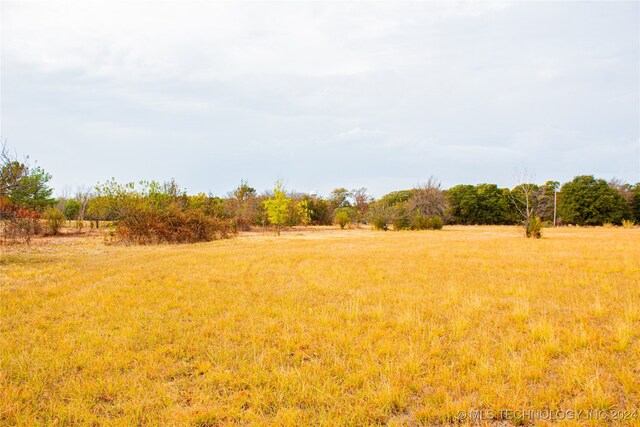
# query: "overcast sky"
322,94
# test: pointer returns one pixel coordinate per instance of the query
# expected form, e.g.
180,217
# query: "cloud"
223,90
358,133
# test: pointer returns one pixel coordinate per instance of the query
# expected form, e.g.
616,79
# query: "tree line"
152,212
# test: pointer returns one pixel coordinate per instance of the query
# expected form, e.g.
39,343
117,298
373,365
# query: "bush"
379,215
172,225
400,219
155,214
534,228
342,217
436,222
420,222
423,222
54,219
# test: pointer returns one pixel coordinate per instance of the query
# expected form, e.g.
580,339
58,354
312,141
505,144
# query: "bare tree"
429,199
83,195
242,205
524,197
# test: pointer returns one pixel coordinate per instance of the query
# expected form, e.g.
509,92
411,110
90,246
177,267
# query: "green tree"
24,195
463,204
25,186
396,197
277,207
589,201
72,209
480,204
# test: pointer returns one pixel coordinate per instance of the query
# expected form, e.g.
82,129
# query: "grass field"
320,327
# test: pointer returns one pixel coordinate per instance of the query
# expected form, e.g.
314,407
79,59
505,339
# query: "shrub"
423,222
401,219
155,214
171,225
429,199
54,219
436,222
534,228
420,222
379,215
342,217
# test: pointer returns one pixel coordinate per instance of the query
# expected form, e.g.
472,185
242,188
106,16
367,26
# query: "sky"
321,95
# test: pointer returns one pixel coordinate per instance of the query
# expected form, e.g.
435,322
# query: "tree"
429,199
23,185
71,209
480,204
343,216
361,201
380,214
277,207
305,211
321,211
629,194
242,205
545,199
396,197
24,195
83,195
99,209
589,201
524,197
339,198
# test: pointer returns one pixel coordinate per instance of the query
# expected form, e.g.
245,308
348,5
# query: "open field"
320,327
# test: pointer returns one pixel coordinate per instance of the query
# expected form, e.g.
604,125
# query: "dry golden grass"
320,327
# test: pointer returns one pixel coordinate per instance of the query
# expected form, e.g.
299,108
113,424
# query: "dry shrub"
153,213
55,219
172,225
241,224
